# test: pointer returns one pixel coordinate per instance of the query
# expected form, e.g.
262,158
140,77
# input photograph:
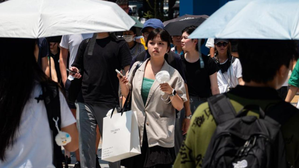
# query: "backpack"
242,141
51,99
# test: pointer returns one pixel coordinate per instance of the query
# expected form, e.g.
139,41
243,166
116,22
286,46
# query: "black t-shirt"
171,58
99,83
198,79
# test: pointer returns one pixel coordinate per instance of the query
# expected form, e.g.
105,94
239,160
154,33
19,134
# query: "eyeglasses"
224,44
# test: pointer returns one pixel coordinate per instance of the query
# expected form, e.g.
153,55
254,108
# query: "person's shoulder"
140,45
85,42
140,56
203,119
235,59
206,57
42,42
173,55
210,61
202,110
117,39
285,108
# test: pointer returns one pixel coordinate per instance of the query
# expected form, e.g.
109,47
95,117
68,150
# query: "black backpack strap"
91,43
52,103
221,108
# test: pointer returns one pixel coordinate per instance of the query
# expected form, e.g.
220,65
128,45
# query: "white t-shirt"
33,142
72,42
230,77
210,43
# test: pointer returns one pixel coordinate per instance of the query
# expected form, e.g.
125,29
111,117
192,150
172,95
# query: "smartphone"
70,71
117,71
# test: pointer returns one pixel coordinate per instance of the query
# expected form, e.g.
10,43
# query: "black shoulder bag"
51,98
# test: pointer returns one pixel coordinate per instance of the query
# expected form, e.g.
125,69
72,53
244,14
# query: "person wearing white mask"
135,47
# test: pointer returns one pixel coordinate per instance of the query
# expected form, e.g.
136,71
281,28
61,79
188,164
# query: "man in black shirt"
96,61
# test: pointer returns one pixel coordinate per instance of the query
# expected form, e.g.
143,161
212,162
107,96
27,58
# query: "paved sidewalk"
103,164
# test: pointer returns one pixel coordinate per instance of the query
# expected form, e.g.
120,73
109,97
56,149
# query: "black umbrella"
175,28
185,17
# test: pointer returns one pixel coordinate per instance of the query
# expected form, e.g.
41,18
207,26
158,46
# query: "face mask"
128,38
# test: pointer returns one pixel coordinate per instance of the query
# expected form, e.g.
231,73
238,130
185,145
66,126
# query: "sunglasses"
224,44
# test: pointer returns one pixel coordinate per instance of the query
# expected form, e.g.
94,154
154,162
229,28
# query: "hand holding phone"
70,71
117,71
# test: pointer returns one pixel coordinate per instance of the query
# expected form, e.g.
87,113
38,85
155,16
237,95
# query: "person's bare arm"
124,85
214,84
212,52
186,121
74,144
45,65
176,101
53,70
240,80
294,64
63,63
291,93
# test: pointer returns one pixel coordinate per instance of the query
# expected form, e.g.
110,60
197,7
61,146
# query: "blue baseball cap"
154,23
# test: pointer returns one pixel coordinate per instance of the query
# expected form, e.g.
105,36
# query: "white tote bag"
120,136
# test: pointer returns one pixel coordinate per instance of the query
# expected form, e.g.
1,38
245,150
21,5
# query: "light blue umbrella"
252,19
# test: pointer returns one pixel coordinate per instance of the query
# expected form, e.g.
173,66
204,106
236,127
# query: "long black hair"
18,73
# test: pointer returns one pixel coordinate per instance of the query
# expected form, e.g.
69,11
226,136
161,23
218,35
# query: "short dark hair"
133,29
164,35
261,59
189,30
122,2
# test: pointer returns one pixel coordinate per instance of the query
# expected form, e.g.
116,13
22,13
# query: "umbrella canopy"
175,28
137,22
252,19
185,17
43,18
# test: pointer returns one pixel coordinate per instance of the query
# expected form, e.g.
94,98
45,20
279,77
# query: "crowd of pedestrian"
175,128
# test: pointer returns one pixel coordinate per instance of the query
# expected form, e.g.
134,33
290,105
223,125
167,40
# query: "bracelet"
189,116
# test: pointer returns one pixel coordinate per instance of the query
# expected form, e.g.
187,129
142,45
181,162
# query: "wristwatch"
173,92
189,116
